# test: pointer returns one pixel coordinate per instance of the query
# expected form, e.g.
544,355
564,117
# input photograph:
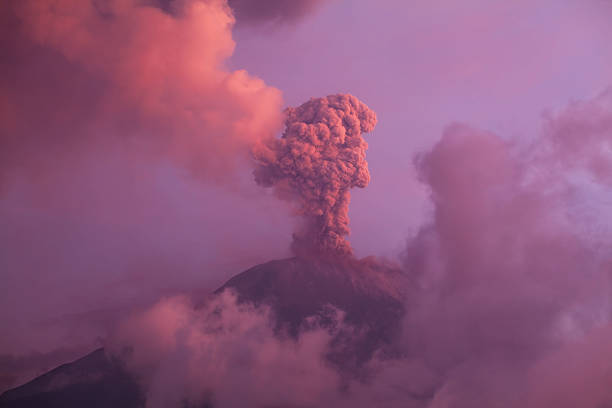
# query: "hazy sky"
110,197
423,64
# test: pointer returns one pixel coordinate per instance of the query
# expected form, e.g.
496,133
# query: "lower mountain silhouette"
298,292
95,381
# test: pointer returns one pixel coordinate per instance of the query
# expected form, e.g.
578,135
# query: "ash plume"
505,297
318,159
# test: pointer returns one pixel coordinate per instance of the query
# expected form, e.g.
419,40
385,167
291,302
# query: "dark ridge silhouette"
299,291
299,288
94,381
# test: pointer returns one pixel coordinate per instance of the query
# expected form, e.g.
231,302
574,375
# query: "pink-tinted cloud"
504,280
124,138
82,75
576,375
581,136
206,355
506,272
318,159
507,301
182,354
76,256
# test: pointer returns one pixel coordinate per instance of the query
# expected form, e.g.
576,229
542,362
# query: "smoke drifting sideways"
249,12
507,294
186,356
123,73
318,159
125,149
512,275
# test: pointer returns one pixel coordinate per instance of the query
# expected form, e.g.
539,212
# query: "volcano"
297,290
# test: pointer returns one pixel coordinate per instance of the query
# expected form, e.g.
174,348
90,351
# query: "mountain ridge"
296,289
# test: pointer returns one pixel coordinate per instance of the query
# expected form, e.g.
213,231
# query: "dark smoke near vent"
289,332
318,159
502,301
259,11
246,12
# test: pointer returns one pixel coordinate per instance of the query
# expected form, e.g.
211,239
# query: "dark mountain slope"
94,381
296,289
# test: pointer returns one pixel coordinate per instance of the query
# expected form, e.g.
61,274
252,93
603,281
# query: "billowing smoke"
102,75
259,11
105,106
223,355
512,275
507,293
226,355
318,159
123,141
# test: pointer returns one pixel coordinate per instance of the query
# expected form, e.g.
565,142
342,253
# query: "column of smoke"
123,138
509,285
318,159
508,295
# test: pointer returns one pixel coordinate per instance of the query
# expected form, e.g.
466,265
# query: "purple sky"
423,64
100,232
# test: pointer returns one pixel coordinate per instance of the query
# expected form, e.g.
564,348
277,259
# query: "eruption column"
318,159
